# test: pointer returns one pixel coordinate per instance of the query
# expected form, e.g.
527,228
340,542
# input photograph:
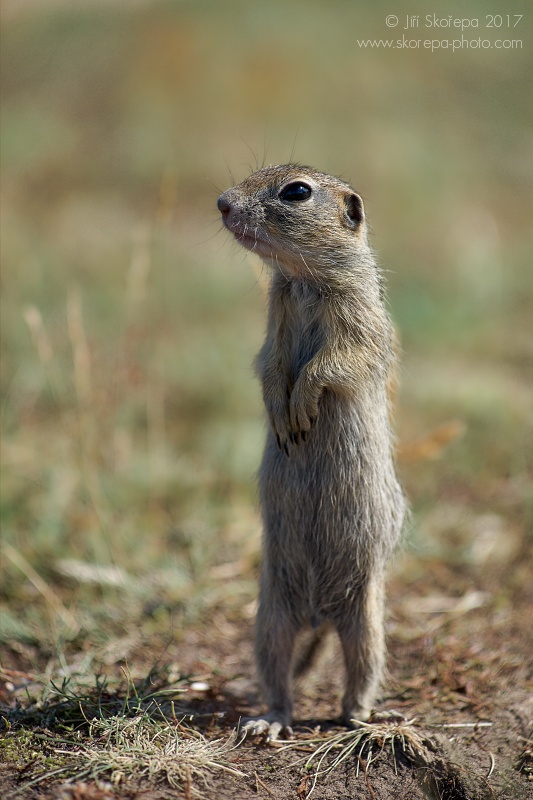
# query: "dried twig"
491,770
259,782
364,765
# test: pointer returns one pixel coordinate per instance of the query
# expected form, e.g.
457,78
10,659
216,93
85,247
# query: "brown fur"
332,507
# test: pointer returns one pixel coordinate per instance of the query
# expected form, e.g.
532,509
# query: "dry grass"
123,750
369,742
365,744
117,731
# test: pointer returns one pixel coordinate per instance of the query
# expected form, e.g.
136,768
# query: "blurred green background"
132,422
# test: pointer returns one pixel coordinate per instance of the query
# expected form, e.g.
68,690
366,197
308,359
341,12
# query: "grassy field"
131,420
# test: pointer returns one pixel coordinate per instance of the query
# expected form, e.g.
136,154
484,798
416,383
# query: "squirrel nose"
223,204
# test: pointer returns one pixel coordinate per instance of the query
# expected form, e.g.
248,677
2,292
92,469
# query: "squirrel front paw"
303,413
277,407
279,423
291,416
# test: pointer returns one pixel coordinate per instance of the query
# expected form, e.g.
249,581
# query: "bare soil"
463,673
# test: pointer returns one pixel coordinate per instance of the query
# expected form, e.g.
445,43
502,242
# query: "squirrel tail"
309,650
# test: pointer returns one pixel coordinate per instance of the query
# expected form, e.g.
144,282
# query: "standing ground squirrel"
331,504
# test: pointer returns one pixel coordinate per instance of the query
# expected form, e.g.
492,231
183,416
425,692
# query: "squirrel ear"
354,209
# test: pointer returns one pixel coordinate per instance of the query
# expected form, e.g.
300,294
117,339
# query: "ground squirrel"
332,507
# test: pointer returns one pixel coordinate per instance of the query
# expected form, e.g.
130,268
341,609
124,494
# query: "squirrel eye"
296,192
